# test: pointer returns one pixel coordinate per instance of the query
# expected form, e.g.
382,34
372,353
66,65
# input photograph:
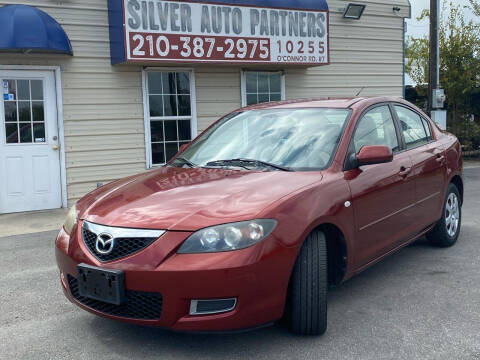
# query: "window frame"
146,110
431,138
243,89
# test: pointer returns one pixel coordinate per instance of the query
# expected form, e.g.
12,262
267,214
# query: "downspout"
403,58
404,46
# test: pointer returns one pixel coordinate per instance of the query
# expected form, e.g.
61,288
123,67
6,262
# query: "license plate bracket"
100,284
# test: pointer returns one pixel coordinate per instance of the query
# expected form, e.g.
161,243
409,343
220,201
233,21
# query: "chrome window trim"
119,232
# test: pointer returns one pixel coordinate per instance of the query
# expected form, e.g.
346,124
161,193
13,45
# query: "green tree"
475,7
459,66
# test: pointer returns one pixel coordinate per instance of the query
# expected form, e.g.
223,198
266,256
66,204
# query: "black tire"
309,285
443,235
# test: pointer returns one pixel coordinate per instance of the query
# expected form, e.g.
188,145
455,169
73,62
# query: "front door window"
24,111
170,113
376,127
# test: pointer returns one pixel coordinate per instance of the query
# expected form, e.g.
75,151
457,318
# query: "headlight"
228,237
70,220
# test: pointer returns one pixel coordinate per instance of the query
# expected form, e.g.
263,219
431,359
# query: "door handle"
55,147
440,159
404,171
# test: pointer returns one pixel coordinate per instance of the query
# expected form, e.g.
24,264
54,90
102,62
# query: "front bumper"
257,277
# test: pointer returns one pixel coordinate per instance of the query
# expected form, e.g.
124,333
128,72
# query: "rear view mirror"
374,154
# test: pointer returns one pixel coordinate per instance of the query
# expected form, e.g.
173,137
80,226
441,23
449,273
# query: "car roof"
327,102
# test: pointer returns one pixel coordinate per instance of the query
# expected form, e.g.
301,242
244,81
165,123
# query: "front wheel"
446,231
309,285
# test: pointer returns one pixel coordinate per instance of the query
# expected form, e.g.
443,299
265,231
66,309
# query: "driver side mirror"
374,154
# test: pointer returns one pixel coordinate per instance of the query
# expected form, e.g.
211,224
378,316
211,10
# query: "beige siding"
365,53
217,92
103,105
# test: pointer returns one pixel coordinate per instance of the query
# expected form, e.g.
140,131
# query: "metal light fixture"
354,11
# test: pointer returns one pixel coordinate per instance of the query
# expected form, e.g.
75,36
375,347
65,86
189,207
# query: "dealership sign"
218,32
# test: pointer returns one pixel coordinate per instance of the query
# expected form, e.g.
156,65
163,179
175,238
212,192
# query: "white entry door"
29,144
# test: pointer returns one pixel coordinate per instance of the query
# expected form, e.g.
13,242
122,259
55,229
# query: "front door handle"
404,171
55,147
440,159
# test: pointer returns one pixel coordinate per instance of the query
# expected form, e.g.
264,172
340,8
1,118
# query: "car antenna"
363,87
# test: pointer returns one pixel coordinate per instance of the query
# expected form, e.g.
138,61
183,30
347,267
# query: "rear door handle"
404,171
440,159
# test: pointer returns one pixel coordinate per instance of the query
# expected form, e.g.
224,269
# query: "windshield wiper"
220,163
185,162
264,163
258,163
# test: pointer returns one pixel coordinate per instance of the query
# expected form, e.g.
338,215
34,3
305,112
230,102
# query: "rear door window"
413,127
427,129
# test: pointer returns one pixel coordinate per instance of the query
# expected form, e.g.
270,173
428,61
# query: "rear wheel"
309,285
446,231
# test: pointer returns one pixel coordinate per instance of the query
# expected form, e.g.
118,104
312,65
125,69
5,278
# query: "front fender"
319,204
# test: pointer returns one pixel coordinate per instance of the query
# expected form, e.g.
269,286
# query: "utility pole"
436,95
433,55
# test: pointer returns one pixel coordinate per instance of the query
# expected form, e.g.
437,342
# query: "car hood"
189,199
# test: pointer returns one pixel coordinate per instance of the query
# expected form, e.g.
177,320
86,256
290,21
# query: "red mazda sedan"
254,219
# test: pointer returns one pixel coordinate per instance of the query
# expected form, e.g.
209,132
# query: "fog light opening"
212,306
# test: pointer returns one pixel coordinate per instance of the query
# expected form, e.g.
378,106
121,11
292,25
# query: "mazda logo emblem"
104,243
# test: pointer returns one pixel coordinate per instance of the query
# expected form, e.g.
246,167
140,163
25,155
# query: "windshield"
296,139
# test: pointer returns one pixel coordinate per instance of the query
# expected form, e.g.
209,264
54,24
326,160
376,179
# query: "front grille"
123,246
137,305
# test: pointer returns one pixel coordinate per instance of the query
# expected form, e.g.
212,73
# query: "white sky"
416,28
420,28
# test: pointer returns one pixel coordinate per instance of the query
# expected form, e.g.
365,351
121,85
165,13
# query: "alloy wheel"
452,214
